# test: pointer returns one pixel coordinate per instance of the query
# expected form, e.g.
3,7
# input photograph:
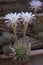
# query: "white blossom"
12,18
27,16
35,4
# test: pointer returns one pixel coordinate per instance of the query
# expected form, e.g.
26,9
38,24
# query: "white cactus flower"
27,16
35,4
12,18
9,16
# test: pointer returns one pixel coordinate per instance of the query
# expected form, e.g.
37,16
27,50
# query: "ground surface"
35,60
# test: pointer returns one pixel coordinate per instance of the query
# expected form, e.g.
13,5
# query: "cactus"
38,27
5,38
40,35
4,41
21,53
6,49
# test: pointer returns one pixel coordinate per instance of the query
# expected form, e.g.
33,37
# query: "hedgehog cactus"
20,53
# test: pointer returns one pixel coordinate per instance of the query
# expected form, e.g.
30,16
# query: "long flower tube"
27,17
15,32
24,31
12,20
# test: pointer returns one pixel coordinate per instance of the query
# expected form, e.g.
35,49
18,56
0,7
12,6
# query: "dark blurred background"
7,6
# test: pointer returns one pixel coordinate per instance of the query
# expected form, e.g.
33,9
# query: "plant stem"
15,32
24,31
35,11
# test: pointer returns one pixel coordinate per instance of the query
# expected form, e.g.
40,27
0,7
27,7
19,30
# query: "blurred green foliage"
6,39
40,35
38,29
6,49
